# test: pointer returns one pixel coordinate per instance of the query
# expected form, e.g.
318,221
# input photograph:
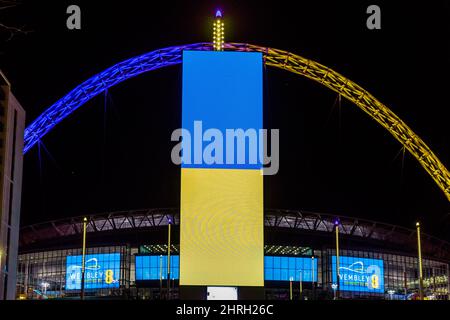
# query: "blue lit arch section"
272,57
99,83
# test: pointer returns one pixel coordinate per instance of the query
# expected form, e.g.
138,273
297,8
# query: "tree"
7,31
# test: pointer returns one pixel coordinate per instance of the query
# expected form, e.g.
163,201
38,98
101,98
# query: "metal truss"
299,220
273,57
99,83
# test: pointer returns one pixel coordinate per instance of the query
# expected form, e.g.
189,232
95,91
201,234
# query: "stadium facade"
126,258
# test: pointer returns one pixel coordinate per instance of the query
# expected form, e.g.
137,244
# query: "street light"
448,282
338,280
83,259
405,283
168,258
419,249
334,287
45,285
301,285
391,293
312,276
290,287
160,275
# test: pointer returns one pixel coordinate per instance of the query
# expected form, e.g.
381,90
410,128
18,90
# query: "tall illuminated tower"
221,206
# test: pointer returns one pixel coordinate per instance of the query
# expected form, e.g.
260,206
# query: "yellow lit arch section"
363,99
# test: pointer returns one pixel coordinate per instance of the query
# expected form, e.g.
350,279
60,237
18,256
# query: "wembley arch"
272,57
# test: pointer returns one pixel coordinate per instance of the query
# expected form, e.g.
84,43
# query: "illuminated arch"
273,57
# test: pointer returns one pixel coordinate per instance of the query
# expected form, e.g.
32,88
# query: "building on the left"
12,126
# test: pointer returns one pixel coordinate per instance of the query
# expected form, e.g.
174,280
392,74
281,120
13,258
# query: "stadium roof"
359,229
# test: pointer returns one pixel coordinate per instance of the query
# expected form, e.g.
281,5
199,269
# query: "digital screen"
101,271
276,268
287,268
359,274
155,267
221,229
222,91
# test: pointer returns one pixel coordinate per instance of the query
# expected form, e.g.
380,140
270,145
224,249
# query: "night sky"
114,152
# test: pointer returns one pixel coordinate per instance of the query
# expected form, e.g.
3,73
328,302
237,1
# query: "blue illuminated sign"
275,268
101,271
287,268
149,267
359,274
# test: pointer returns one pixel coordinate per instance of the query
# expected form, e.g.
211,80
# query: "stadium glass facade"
48,273
140,272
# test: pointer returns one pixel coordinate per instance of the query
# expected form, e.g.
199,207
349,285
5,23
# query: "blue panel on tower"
222,91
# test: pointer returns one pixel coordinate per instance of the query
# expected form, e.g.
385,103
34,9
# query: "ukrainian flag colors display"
221,228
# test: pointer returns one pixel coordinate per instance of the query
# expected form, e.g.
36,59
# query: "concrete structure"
12,126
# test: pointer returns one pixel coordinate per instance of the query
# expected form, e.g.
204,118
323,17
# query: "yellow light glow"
221,227
219,31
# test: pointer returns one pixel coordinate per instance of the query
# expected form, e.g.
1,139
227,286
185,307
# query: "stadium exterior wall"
298,245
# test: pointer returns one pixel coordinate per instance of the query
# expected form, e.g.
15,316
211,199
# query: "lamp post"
301,285
1,267
160,275
83,258
168,258
448,282
334,287
405,283
312,277
290,287
338,280
391,294
45,285
419,249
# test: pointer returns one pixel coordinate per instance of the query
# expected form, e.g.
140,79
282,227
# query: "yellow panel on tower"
222,222
221,227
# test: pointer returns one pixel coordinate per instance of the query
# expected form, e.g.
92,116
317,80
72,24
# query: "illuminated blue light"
108,78
101,271
234,100
359,274
149,267
99,83
283,268
276,268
